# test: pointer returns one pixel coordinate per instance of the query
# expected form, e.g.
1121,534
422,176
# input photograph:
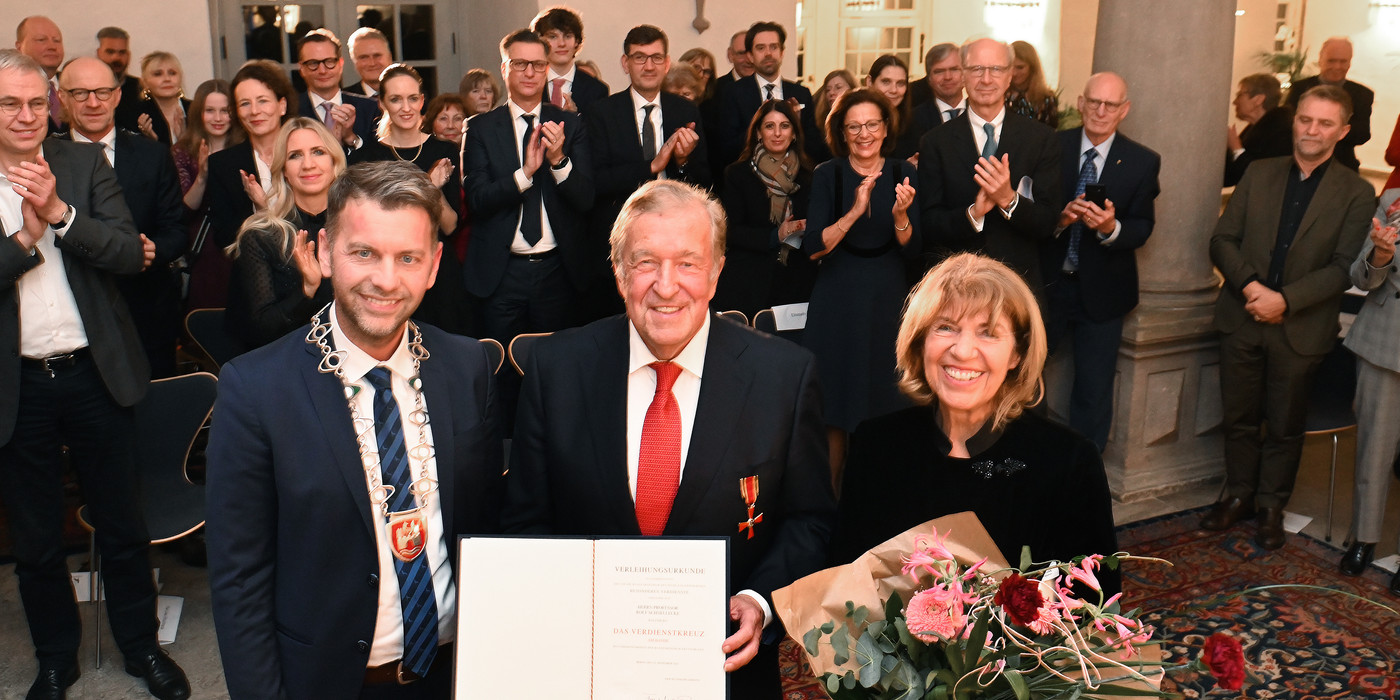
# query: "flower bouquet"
933,616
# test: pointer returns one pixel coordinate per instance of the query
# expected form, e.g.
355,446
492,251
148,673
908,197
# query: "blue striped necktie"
420,617
1087,174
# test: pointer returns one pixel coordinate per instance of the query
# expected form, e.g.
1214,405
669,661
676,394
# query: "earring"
145,94
182,93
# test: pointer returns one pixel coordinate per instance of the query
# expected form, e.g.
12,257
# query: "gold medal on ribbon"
408,533
748,488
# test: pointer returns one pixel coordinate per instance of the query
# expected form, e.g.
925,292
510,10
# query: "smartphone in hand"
1098,194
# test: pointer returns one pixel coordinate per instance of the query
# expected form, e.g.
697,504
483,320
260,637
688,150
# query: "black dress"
445,304
265,299
755,277
1035,484
853,317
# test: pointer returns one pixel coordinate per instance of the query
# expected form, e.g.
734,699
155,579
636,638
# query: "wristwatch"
563,162
67,219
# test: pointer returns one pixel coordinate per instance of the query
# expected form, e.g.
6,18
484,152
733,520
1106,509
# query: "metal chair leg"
1332,488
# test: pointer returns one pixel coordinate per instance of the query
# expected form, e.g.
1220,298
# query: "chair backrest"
167,421
520,347
1332,391
766,321
206,328
736,316
495,353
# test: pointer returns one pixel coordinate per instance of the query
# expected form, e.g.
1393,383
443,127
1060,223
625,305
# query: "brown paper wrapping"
815,600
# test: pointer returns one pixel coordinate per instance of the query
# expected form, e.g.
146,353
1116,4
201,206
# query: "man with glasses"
764,43
989,180
1090,266
640,134
567,87
529,186
151,189
72,373
351,118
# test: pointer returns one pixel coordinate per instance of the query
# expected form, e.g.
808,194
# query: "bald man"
40,39
1090,266
1335,61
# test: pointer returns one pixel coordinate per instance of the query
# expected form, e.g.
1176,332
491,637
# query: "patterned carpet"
1299,644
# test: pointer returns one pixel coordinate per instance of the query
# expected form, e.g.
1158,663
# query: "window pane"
380,17
886,39
301,19
417,23
430,80
262,32
905,38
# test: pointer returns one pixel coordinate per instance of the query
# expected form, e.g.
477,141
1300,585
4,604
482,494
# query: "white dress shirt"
519,246
388,625
943,108
763,87
49,321
641,389
979,139
568,81
639,113
109,144
1099,162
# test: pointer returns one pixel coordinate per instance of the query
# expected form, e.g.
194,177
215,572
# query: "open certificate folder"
585,619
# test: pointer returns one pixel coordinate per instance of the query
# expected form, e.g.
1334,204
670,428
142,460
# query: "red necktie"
557,99
659,464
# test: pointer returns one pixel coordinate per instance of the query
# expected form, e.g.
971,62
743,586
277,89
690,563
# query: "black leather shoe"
1227,513
1395,584
163,677
1270,535
52,683
1357,558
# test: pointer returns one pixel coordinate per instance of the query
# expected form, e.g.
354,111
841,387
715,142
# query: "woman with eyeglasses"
862,225
277,282
766,193
1030,96
401,138
704,64
163,104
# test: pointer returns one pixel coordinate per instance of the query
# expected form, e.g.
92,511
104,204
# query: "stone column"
1176,57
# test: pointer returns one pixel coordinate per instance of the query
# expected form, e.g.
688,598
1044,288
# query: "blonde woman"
277,282
163,104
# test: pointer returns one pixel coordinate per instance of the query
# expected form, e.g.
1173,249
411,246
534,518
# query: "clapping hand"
148,249
993,176
441,171
1382,242
553,139
254,190
304,255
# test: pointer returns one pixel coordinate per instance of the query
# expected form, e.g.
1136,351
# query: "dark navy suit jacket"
292,562
366,113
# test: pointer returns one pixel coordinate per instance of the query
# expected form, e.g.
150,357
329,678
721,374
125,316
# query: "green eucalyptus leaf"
850,608
876,628
828,627
810,640
870,660
848,681
861,615
833,683
937,692
841,645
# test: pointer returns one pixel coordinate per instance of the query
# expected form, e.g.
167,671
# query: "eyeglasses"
979,71
871,126
10,106
519,65
81,94
310,65
1093,105
641,59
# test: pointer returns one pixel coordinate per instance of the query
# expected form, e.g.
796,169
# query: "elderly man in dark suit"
528,179
639,134
73,370
1090,266
1268,131
152,193
942,88
1334,60
351,118
335,507
989,180
674,421
1284,245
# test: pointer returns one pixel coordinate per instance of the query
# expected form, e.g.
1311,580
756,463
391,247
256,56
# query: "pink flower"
1125,632
1084,572
936,614
930,554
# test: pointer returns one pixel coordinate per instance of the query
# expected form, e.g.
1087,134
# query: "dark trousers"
534,296
1263,385
73,408
1095,348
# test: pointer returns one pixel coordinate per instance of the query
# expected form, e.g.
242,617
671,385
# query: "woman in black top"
164,108
863,226
401,138
277,284
765,197
1030,96
970,351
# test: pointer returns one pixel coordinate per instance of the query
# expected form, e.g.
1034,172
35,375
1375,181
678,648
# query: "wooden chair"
495,353
519,349
736,316
206,328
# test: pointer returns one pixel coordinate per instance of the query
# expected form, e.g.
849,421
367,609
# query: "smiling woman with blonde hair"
970,353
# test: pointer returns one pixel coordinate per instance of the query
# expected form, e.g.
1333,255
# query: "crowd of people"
945,237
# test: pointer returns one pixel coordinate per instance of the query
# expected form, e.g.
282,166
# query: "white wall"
1040,26
178,26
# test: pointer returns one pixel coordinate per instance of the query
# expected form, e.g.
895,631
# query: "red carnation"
1021,599
1225,659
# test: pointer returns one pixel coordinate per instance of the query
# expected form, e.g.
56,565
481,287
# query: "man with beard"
764,43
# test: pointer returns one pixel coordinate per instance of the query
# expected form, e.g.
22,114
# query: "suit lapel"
965,146
438,400
723,393
328,399
606,399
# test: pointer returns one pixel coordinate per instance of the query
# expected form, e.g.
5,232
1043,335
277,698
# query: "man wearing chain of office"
345,459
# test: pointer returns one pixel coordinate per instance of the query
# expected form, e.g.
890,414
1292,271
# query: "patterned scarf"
779,174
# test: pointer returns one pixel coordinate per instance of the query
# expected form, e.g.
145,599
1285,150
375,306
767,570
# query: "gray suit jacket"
1316,271
1375,336
100,244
